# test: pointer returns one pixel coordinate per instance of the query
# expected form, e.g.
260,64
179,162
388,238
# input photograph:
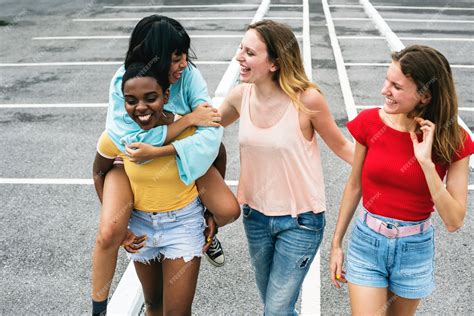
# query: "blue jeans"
282,249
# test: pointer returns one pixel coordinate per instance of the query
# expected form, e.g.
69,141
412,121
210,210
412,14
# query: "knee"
281,301
109,237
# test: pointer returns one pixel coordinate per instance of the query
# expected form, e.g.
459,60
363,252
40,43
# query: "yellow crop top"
156,184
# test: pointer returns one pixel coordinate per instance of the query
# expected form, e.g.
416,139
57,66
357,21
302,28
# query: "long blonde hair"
283,50
431,73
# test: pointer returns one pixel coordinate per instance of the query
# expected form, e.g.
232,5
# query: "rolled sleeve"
196,153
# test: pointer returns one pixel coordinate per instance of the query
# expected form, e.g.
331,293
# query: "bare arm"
202,115
99,169
449,201
350,200
230,107
323,123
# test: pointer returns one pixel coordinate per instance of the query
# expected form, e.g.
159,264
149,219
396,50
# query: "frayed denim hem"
186,258
161,256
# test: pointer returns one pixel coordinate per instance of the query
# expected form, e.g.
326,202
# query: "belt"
393,230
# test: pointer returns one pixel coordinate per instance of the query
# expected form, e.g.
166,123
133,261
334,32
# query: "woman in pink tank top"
281,182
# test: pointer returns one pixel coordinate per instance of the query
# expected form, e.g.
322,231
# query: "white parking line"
52,105
95,63
445,8
406,20
96,37
387,64
340,65
454,39
362,107
128,296
217,6
311,287
67,181
198,18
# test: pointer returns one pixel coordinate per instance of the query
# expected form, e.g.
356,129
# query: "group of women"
160,164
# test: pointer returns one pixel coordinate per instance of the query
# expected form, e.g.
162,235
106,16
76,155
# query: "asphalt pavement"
48,230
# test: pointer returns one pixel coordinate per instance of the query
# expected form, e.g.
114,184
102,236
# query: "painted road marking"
217,6
454,39
96,37
209,18
95,63
68,181
445,8
340,65
387,64
405,20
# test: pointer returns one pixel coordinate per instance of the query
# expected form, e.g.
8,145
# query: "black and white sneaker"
215,253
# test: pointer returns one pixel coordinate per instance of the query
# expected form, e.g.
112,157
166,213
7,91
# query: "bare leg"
179,284
151,278
368,300
216,195
221,161
401,306
115,213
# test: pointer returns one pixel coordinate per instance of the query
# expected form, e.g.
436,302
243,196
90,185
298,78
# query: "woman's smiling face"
400,92
252,56
178,64
144,101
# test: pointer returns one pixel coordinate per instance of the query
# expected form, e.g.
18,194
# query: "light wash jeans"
282,249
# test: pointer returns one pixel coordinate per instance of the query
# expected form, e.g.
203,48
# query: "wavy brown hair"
283,50
431,73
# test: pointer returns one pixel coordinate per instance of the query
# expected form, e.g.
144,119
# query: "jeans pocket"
363,249
311,221
246,211
417,257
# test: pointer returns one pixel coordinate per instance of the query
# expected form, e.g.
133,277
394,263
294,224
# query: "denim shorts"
404,265
170,235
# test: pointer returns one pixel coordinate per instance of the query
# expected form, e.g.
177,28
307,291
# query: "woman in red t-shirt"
403,152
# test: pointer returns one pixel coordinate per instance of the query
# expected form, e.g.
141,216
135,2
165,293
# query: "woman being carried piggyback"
167,213
403,152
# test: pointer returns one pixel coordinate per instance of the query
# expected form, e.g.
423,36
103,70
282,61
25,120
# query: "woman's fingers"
413,137
422,122
210,231
139,239
132,248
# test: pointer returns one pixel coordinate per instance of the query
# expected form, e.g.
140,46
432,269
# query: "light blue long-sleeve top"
196,153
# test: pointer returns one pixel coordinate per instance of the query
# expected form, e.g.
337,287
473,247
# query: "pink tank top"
280,170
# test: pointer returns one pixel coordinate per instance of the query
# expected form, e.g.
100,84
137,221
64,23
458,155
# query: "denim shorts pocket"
417,257
363,249
311,221
246,211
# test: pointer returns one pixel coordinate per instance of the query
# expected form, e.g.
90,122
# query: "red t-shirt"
393,183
